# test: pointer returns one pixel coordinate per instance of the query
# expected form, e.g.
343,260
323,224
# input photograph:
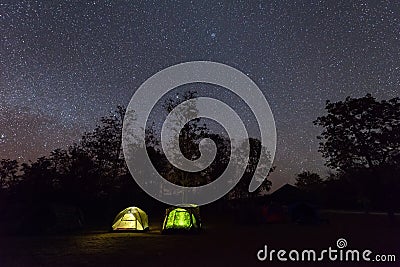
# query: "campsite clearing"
221,244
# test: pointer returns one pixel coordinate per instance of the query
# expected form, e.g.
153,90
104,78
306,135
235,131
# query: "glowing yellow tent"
182,218
131,219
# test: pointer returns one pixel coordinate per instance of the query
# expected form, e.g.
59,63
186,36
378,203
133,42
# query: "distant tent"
184,218
273,213
304,213
131,219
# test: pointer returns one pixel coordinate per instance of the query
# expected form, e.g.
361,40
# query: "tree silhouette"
308,180
189,137
360,132
241,190
38,180
8,173
361,141
104,143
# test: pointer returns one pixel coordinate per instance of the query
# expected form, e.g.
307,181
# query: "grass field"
222,243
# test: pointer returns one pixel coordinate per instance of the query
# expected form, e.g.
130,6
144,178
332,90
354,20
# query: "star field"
63,65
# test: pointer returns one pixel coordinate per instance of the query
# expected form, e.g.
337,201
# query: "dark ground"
222,243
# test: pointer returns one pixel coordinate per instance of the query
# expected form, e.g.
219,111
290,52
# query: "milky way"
64,65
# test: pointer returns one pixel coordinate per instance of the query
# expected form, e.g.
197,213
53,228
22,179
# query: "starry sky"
64,64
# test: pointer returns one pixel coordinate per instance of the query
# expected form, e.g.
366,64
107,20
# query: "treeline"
360,141
92,174
361,144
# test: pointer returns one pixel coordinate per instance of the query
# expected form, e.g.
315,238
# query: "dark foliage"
92,174
361,142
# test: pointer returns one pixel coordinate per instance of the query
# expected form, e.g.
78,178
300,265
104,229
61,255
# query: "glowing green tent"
182,218
131,219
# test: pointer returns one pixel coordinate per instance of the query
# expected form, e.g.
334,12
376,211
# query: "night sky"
64,65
